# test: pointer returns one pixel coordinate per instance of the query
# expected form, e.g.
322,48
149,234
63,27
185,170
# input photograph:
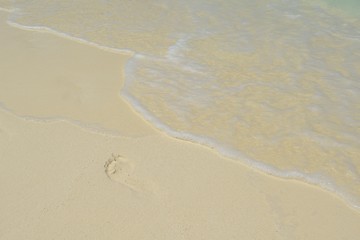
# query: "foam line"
323,182
234,154
67,36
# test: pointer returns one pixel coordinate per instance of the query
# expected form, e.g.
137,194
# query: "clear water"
350,7
272,83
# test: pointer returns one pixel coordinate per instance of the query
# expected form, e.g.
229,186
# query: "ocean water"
272,83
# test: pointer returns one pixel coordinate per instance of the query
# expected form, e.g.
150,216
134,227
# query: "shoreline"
156,125
98,102
183,189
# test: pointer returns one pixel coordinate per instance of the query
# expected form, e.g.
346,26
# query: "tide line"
44,29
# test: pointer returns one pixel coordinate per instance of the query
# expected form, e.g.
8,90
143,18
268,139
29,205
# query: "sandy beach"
77,162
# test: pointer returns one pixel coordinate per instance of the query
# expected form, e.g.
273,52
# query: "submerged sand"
65,175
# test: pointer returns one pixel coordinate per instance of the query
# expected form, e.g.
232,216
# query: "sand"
116,177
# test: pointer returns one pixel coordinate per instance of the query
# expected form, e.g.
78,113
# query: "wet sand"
79,163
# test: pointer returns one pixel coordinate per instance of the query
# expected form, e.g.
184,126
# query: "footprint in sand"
120,169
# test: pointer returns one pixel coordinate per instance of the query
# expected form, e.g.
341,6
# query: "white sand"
54,185
63,79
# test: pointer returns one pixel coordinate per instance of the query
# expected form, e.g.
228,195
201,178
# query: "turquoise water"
351,7
274,84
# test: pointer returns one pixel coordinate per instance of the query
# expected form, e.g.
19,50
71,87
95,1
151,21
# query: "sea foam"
270,84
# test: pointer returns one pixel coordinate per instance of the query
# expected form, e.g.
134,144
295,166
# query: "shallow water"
274,84
350,7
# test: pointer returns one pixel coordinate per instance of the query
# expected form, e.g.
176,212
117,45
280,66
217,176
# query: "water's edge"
225,151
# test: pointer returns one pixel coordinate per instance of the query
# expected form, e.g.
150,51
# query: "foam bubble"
270,84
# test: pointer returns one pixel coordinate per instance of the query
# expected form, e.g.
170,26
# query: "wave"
273,86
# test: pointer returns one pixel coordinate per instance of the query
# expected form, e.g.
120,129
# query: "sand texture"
78,163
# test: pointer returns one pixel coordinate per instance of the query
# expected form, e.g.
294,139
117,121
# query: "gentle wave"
316,179
273,85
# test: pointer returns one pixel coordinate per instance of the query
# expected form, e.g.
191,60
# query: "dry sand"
61,180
